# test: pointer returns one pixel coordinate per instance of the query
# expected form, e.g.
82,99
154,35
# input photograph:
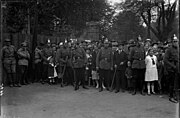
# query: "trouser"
138,78
104,77
23,74
120,80
79,76
38,72
10,70
171,81
69,76
45,72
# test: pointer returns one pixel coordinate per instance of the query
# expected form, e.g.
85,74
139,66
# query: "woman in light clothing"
151,74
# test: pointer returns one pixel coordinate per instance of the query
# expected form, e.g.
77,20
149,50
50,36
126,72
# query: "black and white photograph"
89,59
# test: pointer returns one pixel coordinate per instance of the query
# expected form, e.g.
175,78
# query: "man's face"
120,47
106,45
175,42
48,44
155,46
8,43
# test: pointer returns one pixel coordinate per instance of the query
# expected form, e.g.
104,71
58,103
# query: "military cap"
7,40
131,41
24,44
148,40
121,43
61,43
53,45
48,41
106,41
154,43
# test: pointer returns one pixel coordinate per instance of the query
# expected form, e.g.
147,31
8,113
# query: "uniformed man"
47,53
104,63
38,63
171,62
120,63
63,57
137,59
9,62
79,61
23,62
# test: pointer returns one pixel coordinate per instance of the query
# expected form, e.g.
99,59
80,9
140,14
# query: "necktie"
153,62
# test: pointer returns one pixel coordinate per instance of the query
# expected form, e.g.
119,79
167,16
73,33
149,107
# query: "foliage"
64,15
159,11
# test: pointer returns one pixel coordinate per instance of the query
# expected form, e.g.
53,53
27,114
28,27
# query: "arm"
97,59
111,59
166,59
84,55
130,57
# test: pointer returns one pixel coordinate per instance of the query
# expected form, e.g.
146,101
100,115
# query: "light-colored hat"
61,43
106,41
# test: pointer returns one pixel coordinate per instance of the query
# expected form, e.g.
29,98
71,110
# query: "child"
52,73
128,74
151,74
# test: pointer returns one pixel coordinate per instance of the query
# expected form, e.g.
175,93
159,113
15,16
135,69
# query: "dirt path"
44,101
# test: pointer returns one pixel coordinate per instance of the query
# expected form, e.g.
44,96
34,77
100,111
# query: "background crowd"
137,65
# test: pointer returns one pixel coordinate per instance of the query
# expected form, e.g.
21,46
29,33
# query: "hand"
111,68
97,68
121,63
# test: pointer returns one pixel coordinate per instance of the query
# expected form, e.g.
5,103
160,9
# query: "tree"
127,26
160,12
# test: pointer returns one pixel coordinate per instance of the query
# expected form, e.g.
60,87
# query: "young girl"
151,74
52,73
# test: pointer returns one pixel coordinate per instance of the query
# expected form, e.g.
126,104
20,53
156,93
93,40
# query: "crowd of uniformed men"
95,64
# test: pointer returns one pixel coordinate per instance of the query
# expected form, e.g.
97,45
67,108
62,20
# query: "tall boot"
10,80
152,88
14,79
134,92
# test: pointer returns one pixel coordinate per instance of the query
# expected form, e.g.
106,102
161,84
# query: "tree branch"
151,28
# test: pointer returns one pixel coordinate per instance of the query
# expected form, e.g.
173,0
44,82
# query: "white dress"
151,69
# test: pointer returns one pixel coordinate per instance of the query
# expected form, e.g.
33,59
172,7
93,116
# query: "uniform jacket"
24,57
63,54
104,59
137,57
171,59
79,58
38,55
120,57
9,55
46,53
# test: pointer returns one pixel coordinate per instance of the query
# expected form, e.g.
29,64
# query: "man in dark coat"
120,63
137,59
79,61
9,62
47,53
171,62
104,63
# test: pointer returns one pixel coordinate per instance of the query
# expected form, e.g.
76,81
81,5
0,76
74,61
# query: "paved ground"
45,101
